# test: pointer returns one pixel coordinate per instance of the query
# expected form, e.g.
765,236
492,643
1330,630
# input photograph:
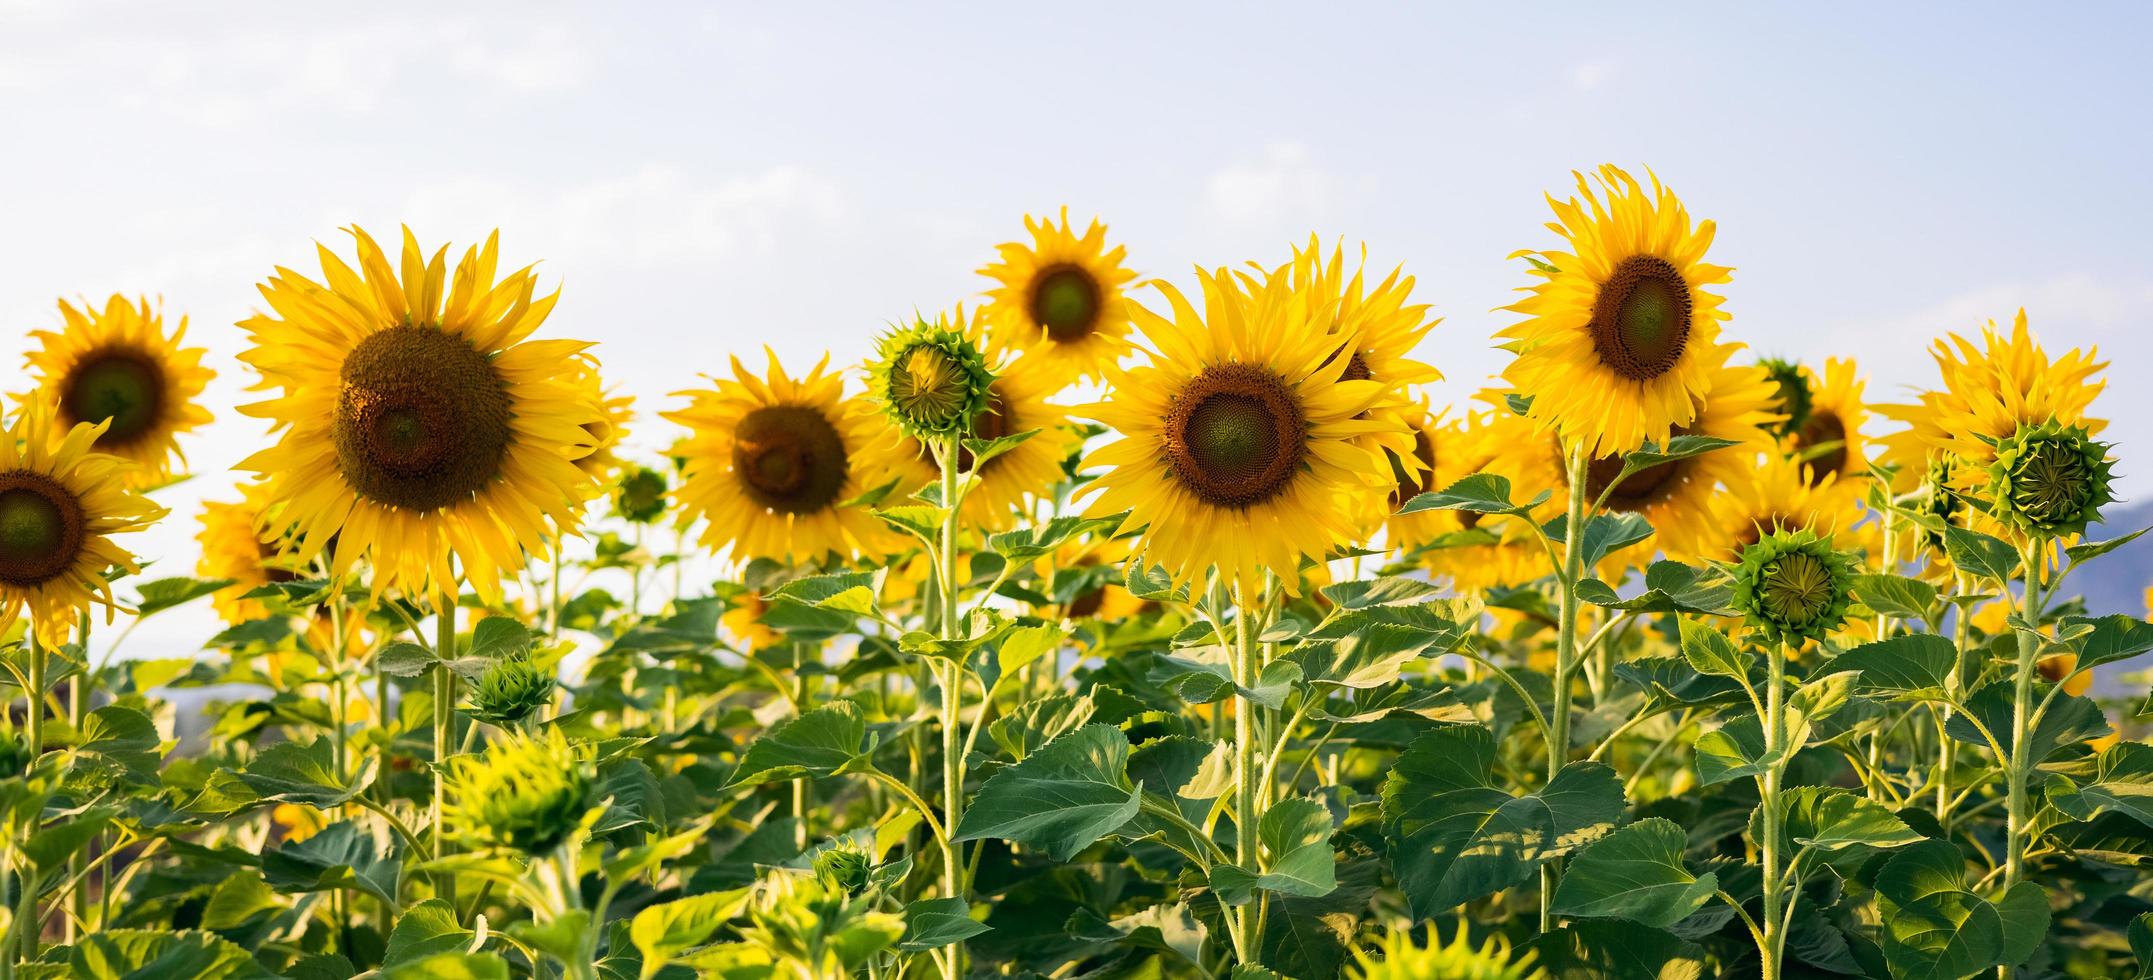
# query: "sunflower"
60,503
617,412
1240,435
1776,495
1061,298
233,548
1737,403
2013,422
1381,324
119,367
775,464
1471,552
1828,439
420,423
1619,338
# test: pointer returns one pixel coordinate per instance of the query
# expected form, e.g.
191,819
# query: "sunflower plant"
1093,627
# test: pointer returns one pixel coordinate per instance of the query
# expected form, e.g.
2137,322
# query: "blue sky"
706,179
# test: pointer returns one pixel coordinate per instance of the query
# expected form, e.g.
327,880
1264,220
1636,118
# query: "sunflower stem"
1558,744
444,731
1776,750
2020,765
952,690
78,900
27,915
1246,773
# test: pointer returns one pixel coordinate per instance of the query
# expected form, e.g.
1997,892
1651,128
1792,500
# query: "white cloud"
1283,185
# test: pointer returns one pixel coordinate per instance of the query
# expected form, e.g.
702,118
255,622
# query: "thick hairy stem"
1247,769
78,696
952,695
27,915
2020,765
1946,746
1775,749
1558,746
444,730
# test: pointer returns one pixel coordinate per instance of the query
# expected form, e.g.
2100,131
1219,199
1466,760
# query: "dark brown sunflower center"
1642,318
1823,428
1065,300
1235,435
423,419
41,528
790,458
119,386
991,423
1639,490
1411,484
1356,368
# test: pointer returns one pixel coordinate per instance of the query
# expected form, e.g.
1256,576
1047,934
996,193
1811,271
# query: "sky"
702,180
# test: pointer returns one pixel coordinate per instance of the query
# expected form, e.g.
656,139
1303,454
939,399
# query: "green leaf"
1295,836
937,922
52,845
341,855
424,930
2025,914
816,744
1604,535
168,593
143,954
2090,550
851,593
1985,555
239,902
405,659
1897,595
451,966
1911,665
2069,720
1480,493
920,520
1825,819
1152,584
1597,949
1734,750
663,931
1454,836
122,734
2141,938
1710,652
1635,873
1029,543
1025,644
1171,928
983,450
1383,591
2112,638
2122,783
500,637
1934,927
290,772
1062,799
1670,587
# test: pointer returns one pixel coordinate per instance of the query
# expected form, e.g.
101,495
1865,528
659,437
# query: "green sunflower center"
927,386
2052,481
422,420
121,387
1641,320
41,528
790,458
1822,429
1796,588
1066,301
1235,435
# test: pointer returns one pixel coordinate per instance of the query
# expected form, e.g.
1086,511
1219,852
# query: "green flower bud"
511,691
524,792
1792,586
930,380
640,498
2050,479
1793,399
843,868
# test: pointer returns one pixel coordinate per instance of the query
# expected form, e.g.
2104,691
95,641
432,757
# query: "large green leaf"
341,855
2068,721
1296,852
1062,799
937,922
1898,595
168,593
1480,493
143,954
1594,949
1981,554
424,930
2112,638
816,744
1604,534
292,772
1710,652
663,931
2122,783
1455,836
1670,587
1635,873
1936,928
1915,664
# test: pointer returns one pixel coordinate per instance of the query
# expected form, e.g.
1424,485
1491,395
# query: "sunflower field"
1097,628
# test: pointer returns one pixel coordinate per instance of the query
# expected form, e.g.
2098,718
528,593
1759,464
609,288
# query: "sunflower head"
1620,331
419,418
59,503
510,691
2050,479
1401,957
119,368
1791,396
1060,296
640,497
233,547
843,867
931,380
1940,499
525,792
1791,585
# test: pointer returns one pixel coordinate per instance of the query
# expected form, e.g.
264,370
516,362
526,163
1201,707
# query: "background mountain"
2116,583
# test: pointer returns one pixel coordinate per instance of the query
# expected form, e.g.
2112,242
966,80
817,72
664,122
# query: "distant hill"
2116,583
